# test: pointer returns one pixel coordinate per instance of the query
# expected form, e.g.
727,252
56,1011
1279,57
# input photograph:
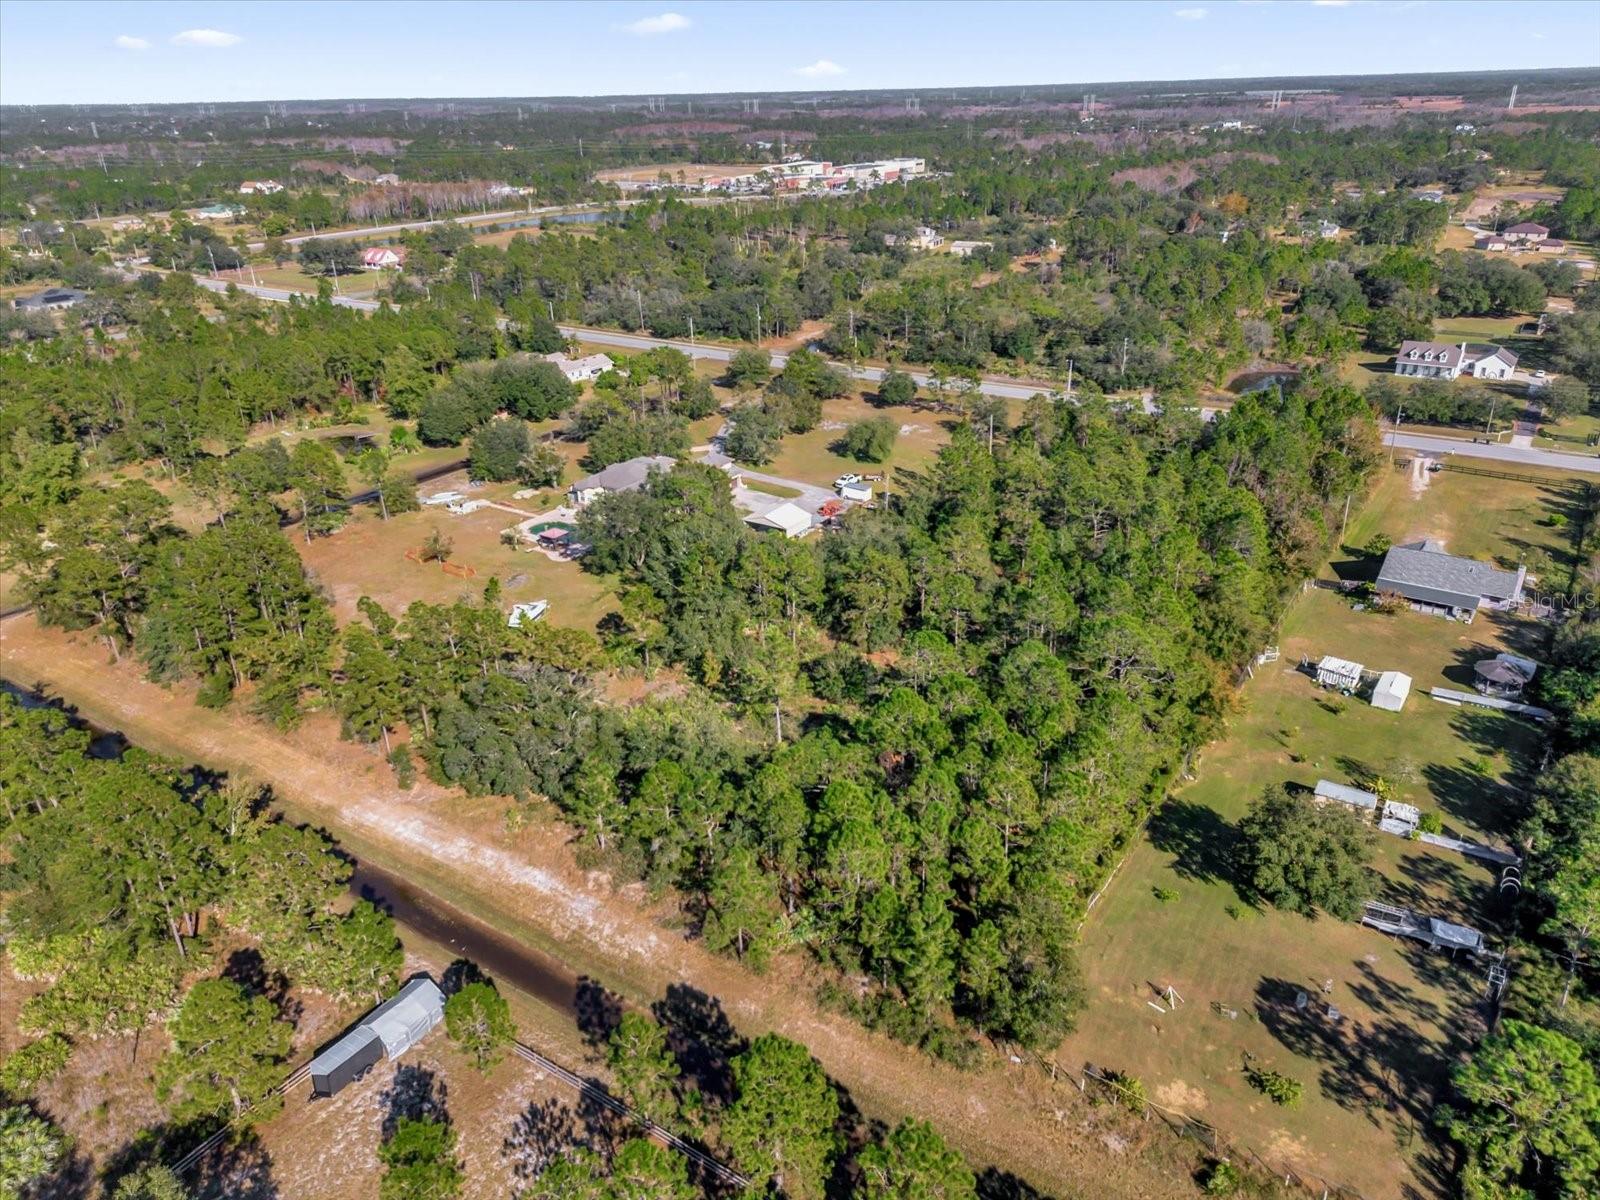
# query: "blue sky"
55,52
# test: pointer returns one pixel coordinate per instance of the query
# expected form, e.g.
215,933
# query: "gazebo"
1497,677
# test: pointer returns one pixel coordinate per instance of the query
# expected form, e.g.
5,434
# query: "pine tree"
479,1023
228,1053
781,1126
914,1163
642,1065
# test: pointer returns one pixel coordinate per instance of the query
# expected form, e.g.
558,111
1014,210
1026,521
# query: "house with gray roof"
1446,360
51,297
1457,587
627,476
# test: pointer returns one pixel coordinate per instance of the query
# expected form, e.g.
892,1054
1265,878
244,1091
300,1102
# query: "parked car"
1539,374
846,480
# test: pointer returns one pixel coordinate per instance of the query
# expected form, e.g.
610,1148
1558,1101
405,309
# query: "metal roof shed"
789,519
1391,691
1339,673
402,1021
1354,797
1449,936
345,1061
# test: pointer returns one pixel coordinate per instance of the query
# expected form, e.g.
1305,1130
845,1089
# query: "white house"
580,370
260,187
527,612
1445,360
968,249
1339,673
383,258
925,238
124,224
787,518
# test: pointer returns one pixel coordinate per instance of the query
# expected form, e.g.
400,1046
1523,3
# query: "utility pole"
758,320
639,296
551,305
1124,369
691,331
1069,379
1399,415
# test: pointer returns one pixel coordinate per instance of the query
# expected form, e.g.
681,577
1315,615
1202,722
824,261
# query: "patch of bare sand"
1180,1096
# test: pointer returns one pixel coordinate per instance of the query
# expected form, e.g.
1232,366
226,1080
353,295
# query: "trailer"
388,1031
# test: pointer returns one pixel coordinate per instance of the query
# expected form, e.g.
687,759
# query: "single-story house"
383,258
51,297
787,518
1527,233
260,187
1431,195
968,249
1551,246
1327,229
124,224
627,476
1497,677
1356,798
1435,581
1339,673
527,612
1391,691
925,238
219,212
1447,360
1493,241
579,370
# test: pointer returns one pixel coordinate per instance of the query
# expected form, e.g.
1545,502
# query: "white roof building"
861,493
787,518
578,370
1391,691
968,249
380,258
527,612
1344,794
1339,673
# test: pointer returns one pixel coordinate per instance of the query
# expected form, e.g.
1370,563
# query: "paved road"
1010,389
1554,460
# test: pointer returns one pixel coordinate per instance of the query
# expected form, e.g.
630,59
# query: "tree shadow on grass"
239,1170
995,1184
1437,883
1385,1067
701,1038
415,1093
599,1012
1201,842
249,970
1471,801
541,1133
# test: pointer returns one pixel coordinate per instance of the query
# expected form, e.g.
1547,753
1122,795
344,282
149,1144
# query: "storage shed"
789,519
1391,691
1339,673
346,1061
1354,797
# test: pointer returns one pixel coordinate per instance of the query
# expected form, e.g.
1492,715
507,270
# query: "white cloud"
820,69
1190,14
205,37
130,43
667,22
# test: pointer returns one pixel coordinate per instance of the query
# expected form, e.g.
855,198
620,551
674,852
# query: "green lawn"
1373,1075
810,457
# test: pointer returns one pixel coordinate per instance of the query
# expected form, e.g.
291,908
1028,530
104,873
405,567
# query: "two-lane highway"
1008,389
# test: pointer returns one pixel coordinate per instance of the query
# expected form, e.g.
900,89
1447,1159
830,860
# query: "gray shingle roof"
625,476
1425,567
1441,354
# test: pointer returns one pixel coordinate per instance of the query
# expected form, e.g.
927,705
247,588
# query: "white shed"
860,493
1339,673
1391,691
528,611
789,519
1345,794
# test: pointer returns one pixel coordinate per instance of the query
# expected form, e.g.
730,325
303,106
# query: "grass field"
810,458
367,558
1371,1076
